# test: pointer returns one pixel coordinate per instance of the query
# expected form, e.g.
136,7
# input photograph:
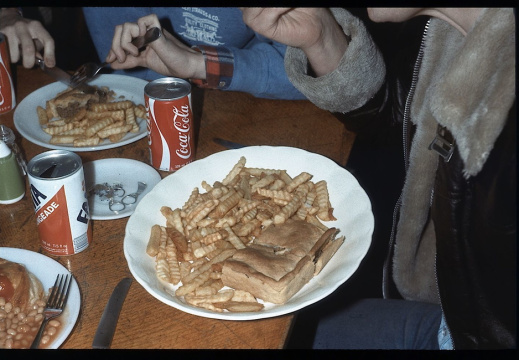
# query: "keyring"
116,205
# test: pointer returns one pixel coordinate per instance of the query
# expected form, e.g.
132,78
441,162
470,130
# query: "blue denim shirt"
444,336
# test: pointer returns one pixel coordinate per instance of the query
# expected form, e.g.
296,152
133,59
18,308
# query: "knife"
106,328
228,144
63,77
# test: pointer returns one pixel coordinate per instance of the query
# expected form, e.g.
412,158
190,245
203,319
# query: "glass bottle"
7,136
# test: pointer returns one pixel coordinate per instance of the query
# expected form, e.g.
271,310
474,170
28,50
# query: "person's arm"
358,77
258,69
21,33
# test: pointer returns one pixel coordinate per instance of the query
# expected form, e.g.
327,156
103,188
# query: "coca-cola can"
7,95
59,196
170,123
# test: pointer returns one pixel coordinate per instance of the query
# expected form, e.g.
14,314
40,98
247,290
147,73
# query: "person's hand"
313,30
26,38
166,55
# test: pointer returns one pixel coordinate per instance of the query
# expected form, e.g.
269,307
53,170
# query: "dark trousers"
380,324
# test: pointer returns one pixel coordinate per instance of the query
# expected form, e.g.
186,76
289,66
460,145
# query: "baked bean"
23,328
10,315
9,344
40,303
51,330
11,332
21,316
45,339
54,323
2,301
3,314
16,310
32,312
8,307
38,317
28,320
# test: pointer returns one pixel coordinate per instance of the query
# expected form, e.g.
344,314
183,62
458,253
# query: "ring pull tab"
441,145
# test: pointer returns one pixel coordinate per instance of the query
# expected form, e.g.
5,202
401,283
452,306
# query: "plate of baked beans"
18,326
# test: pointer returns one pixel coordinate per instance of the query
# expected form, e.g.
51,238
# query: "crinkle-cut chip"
179,240
190,286
221,296
171,258
63,139
240,306
104,133
200,212
264,182
140,111
192,198
288,210
276,194
323,201
298,180
226,203
173,218
55,130
99,125
118,105
243,296
233,238
152,249
116,138
91,141
234,171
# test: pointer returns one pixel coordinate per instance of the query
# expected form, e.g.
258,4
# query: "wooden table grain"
145,322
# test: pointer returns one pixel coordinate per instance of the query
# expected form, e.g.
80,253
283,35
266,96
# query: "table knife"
106,328
228,144
63,77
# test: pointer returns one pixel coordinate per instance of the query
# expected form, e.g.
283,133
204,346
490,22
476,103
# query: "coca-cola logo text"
182,123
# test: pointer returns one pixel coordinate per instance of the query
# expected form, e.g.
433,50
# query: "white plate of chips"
125,88
46,270
352,208
116,172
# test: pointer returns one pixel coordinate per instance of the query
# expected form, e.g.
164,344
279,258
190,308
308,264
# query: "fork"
87,71
55,304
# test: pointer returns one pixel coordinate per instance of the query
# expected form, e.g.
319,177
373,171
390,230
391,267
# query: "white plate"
351,206
125,88
126,172
46,270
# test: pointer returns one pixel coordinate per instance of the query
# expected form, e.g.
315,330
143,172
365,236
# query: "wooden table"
145,322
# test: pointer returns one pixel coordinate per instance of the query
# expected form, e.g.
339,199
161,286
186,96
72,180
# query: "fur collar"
472,98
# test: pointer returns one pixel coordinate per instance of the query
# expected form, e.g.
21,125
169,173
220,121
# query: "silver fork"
87,71
55,304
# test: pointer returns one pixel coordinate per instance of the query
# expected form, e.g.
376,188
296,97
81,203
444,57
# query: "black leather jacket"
475,218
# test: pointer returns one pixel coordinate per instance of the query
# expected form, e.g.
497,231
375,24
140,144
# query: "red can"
59,196
170,123
7,96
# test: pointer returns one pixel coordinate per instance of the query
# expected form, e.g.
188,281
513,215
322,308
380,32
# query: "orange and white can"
59,196
170,123
7,95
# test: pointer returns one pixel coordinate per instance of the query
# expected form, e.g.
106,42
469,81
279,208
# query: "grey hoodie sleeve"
358,77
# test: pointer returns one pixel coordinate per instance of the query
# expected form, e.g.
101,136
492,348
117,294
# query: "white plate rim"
26,120
151,178
275,310
33,261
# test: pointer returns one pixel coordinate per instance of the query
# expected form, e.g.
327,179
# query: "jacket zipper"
386,278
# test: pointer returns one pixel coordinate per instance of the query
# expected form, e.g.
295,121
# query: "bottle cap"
5,151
